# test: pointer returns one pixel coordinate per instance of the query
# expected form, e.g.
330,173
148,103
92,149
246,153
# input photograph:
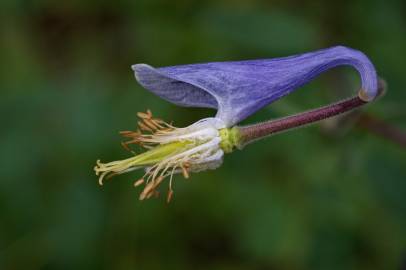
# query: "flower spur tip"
364,96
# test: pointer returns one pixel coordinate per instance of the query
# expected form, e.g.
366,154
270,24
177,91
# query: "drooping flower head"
237,90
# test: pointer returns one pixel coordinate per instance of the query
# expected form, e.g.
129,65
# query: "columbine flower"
236,90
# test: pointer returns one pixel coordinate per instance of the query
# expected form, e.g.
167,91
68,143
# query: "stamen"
144,127
184,171
126,132
146,190
157,123
150,194
169,196
125,146
158,181
139,182
170,179
143,115
150,124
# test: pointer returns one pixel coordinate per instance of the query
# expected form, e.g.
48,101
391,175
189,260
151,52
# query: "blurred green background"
331,196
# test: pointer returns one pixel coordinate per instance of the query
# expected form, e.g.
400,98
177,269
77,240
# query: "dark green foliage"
324,197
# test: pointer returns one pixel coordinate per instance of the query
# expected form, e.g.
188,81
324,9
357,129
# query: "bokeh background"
331,196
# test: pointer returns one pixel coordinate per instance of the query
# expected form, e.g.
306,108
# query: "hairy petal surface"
240,88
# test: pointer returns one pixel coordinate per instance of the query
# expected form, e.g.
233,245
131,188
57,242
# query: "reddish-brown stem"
383,129
257,131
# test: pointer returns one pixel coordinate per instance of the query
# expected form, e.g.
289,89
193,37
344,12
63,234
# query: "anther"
158,181
184,172
139,182
143,115
150,124
150,194
125,146
146,190
169,196
144,127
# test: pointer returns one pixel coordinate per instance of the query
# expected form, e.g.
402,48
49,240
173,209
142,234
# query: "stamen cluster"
171,150
148,127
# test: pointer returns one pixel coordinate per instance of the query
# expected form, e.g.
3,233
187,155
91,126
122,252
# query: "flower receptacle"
230,139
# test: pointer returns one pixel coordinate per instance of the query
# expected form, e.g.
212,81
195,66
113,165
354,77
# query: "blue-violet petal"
238,89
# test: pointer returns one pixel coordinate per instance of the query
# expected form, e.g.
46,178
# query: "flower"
171,150
237,90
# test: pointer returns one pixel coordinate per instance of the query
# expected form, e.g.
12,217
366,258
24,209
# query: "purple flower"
239,89
236,90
